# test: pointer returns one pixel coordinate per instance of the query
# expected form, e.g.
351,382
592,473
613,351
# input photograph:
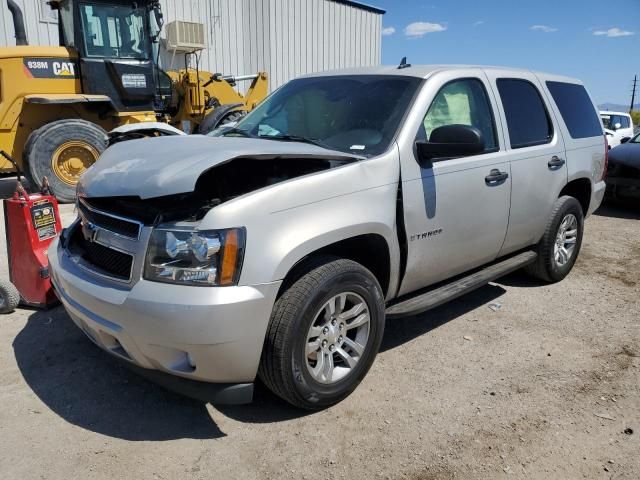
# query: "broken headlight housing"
195,257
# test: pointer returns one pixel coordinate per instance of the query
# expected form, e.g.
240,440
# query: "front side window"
111,31
527,118
358,114
461,102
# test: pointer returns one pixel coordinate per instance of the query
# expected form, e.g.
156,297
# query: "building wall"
285,38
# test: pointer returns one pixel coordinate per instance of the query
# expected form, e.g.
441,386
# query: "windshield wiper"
297,138
238,131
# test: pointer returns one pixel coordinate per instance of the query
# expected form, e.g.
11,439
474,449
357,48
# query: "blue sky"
596,41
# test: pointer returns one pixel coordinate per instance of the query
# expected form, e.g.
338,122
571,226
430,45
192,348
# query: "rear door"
455,216
536,151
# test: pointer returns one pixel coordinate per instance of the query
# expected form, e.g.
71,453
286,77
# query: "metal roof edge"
362,6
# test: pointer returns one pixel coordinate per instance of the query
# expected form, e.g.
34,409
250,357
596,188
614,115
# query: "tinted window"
462,102
527,118
625,122
576,109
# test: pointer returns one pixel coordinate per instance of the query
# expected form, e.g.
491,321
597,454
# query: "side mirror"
451,141
625,139
617,126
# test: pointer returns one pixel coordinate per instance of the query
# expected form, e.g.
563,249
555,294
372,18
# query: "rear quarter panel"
585,156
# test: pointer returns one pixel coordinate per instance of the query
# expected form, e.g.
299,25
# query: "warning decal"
44,220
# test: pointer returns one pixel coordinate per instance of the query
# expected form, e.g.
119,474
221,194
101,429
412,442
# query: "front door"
456,210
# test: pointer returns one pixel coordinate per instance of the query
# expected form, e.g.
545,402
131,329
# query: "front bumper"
210,334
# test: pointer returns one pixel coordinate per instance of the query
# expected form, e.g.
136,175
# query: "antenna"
633,92
403,63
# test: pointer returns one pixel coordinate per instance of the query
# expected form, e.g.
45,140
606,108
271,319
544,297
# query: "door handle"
495,176
555,162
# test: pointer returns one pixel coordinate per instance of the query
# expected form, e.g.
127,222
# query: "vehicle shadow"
89,389
519,279
402,330
618,209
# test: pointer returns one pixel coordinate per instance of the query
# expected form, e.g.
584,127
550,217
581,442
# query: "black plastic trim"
216,393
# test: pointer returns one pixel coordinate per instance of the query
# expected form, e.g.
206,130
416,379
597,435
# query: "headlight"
195,257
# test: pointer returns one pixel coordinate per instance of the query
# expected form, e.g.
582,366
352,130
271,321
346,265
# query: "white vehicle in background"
617,125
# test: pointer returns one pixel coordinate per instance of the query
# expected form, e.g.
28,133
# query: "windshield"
635,139
112,31
356,114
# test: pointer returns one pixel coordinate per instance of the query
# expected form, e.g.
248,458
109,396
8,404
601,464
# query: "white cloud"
388,31
543,28
479,22
419,29
614,32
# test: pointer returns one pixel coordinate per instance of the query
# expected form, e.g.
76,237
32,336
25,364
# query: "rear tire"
560,245
293,350
62,151
9,297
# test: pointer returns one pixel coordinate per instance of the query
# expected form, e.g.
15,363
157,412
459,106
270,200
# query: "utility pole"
633,92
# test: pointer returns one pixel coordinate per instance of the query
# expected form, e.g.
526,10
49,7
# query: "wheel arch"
371,250
580,189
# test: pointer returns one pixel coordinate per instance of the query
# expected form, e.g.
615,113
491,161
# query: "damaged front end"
215,186
111,236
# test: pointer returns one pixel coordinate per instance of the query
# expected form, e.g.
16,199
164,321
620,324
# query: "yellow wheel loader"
57,103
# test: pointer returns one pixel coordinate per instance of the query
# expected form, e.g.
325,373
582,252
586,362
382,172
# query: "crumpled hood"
162,166
627,154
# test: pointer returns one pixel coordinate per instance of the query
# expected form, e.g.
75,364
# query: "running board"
443,294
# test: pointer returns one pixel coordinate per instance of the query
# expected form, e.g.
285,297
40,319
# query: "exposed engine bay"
215,186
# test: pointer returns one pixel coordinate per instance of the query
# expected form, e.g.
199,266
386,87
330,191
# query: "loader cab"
113,41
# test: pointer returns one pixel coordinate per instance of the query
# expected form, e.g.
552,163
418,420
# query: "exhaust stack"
18,23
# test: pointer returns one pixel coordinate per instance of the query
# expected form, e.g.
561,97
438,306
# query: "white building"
285,38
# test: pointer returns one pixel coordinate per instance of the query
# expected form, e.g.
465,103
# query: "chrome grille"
102,259
114,223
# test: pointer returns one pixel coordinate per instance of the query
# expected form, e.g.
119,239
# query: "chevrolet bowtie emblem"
89,231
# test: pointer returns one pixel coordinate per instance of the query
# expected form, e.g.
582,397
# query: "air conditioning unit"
185,36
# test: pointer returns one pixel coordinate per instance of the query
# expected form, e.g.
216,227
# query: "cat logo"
64,69
61,68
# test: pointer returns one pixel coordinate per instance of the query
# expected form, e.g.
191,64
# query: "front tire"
324,334
560,245
62,151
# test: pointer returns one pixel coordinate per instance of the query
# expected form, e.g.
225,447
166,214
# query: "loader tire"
62,151
220,116
9,297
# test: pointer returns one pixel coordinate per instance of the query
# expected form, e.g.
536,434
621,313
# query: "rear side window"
527,118
576,109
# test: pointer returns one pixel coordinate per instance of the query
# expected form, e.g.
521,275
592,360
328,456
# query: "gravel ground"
545,387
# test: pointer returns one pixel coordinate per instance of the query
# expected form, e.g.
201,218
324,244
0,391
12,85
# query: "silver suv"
278,247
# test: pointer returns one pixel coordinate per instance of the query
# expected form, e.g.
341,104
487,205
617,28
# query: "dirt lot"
543,388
